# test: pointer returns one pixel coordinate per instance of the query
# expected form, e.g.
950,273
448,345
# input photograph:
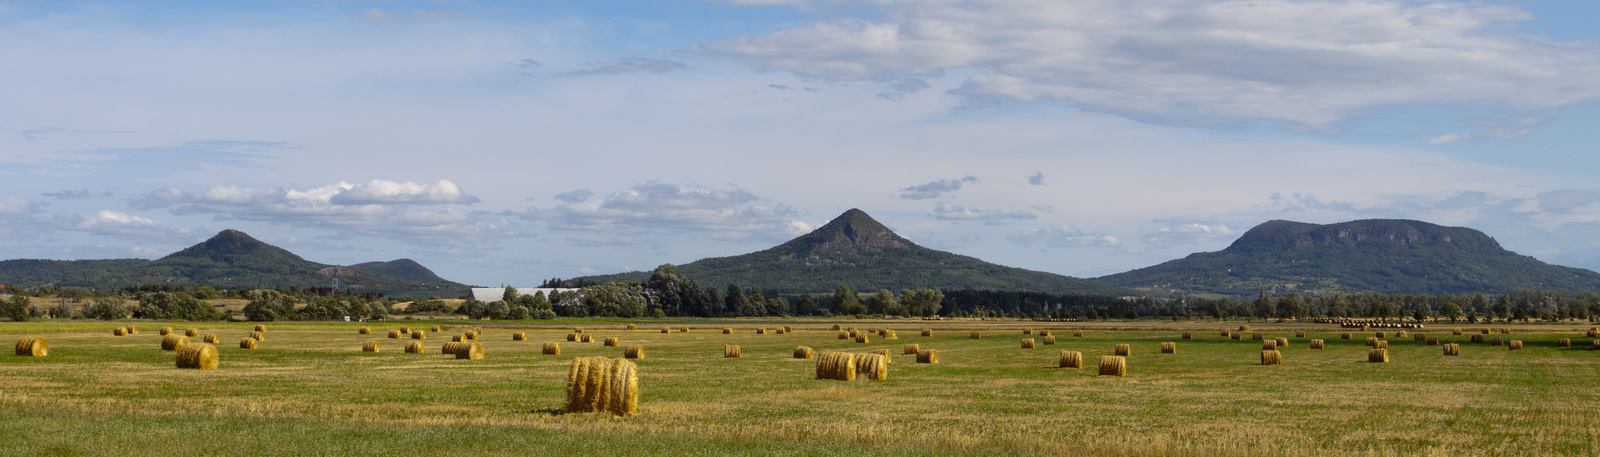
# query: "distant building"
489,294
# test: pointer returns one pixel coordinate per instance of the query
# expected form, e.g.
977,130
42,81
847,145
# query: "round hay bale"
33,346
1596,344
1498,341
198,356
1256,336
761,331
873,367
1283,342
1300,334
927,332
633,352
213,338
1237,336
570,337
836,327
1050,339
1564,342
1592,333
1433,341
248,343
469,351
1077,333
1366,328
1111,365
133,330
415,347
612,341
1244,328
1455,331
1044,333
193,332
836,365
369,346
1124,350
596,384
519,336
419,335
1516,345
663,330
1400,334
631,327
1188,336
166,331
435,329
552,348
1378,355
119,331
910,349
364,330
1027,331
683,329
1379,334
1477,338
1505,330
1271,357
1226,333
394,334
788,329
405,329
928,356
890,335
259,336
883,332
1372,341
586,338
1269,345
804,352
1419,336
261,328
1071,359
862,338
1168,347
1452,349
727,331
577,330
730,351
473,335
1382,344
1485,330
173,342
1344,336
1316,344
853,333
977,335
883,352
1027,343
844,335
451,347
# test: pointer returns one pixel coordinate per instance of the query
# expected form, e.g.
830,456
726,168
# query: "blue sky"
507,142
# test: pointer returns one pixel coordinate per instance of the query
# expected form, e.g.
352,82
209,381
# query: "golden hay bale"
1244,328
779,331
1564,342
1452,349
1378,355
1366,328
1485,330
1380,335
730,351
1283,342
977,335
663,330
248,343
1226,333
928,356
166,331
1071,359
261,328
193,332
1027,343
405,329
519,336
1498,341
119,331
1400,334
836,328
415,347
1516,345
612,341
862,338
844,335
1044,333
213,338
1382,344
570,337
1271,357
33,346
596,384
1592,333
584,338
470,351
804,352
633,352
451,347
883,332
435,329
884,353
1027,331
1596,344
1237,336
460,338
1433,341
419,335
1269,345
394,334
788,329
259,336
1477,338
1077,333
1344,336
364,330
836,365
1256,336
1168,347
1111,365
1300,334
910,349
577,330
1419,336
552,348
1316,344
1124,350
1505,330
727,331
631,327
370,346
473,335
927,332
198,356
872,330
890,335
1050,339
173,342
1188,336
1372,341
1455,331
133,330
873,367
853,333
683,329
761,331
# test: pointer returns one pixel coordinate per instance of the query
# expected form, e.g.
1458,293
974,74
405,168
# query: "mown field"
309,390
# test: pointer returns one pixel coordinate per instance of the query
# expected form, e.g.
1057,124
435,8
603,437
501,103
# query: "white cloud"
16,206
1062,236
1312,64
112,223
381,192
936,189
1187,233
951,212
383,208
718,214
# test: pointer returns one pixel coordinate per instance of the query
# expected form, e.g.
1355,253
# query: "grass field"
309,390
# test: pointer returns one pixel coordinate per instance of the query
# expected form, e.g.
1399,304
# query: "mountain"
857,250
228,260
402,268
1378,255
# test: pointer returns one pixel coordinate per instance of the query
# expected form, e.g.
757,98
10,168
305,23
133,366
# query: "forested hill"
857,250
1378,255
229,259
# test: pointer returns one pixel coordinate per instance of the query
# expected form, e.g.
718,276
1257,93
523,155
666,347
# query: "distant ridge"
401,268
1377,255
856,249
230,259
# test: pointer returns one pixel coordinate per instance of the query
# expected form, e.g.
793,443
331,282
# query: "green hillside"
401,268
857,250
230,259
1380,255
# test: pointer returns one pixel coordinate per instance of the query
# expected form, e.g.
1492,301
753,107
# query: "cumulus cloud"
718,214
1184,233
1062,236
936,189
1308,63
112,223
950,212
383,208
381,192
632,65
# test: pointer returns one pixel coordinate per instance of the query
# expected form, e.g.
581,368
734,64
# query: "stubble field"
309,390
